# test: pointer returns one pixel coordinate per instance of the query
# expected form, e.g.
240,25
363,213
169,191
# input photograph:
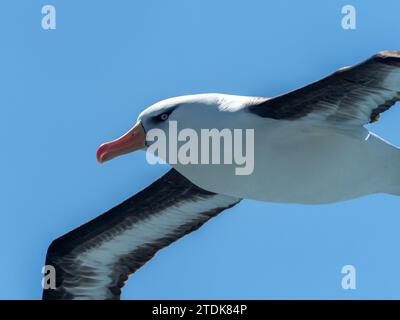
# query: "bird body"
299,162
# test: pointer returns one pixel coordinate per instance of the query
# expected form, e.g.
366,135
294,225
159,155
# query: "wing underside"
94,260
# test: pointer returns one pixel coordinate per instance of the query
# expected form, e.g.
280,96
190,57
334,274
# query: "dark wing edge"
94,260
354,95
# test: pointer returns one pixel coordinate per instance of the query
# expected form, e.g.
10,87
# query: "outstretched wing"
352,95
94,260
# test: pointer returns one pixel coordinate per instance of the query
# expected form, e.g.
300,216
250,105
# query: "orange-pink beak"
133,140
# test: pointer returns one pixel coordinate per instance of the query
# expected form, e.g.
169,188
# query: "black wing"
94,260
351,95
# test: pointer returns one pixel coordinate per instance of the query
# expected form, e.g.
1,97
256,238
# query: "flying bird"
310,147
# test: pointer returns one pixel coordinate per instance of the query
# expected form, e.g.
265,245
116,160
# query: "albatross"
310,147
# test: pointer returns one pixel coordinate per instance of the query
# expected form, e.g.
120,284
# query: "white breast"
296,163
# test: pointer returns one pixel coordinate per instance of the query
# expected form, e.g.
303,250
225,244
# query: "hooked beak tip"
101,153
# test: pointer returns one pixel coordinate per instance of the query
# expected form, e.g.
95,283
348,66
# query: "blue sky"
65,91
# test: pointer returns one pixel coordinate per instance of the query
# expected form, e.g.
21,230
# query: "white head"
194,111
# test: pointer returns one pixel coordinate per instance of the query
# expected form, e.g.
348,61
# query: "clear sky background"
65,91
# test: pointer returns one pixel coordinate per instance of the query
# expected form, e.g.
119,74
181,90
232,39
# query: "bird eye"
164,116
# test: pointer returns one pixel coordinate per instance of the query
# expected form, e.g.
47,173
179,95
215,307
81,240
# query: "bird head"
195,111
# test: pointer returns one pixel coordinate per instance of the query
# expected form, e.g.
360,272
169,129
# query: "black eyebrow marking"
168,111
